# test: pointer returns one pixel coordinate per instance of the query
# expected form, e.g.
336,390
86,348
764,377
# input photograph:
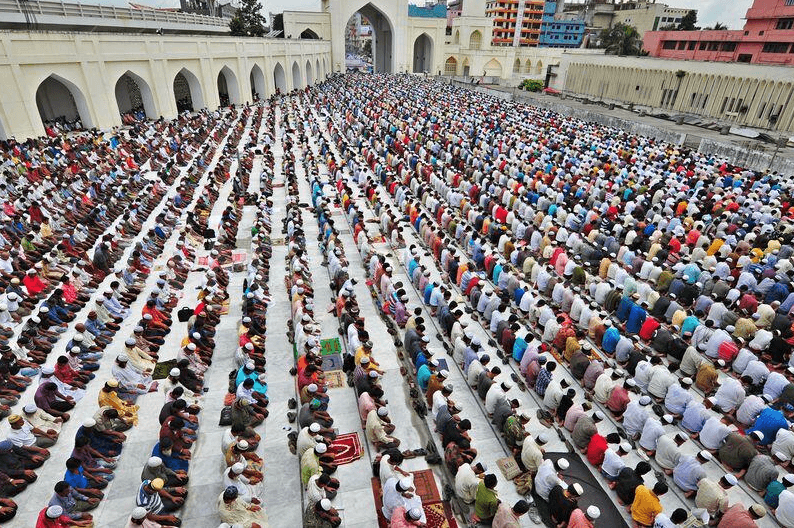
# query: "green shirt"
485,502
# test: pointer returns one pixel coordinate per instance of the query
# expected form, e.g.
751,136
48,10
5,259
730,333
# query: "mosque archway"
279,78
369,37
309,74
297,81
187,91
134,97
228,90
257,81
423,54
61,101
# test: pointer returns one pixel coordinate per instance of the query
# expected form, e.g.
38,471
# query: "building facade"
743,95
767,38
557,31
647,16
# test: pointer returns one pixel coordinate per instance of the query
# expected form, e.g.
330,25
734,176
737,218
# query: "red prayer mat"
438,513
346,448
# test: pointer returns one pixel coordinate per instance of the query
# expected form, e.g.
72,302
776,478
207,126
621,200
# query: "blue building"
555,33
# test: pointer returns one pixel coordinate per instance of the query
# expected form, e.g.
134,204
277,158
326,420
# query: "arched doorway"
451,67
528,66
320,73
492,68
228,91
297,81
309,34
517,66
466,67
187,91
423,54
279,78
61,102
309,74
134,97
369,36
257,80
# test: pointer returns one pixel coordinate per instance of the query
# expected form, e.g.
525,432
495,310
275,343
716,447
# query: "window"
703,102
728,46
760,32
677,20
785,23
746,57
790,2
682,45
691,45
724,104
776,47
761,110
669,44
703,45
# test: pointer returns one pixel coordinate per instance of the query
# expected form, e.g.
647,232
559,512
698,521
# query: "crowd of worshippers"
101,190
240,503
659,277
402,506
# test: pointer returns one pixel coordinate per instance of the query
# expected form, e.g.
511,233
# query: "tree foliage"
718,26
532,85
621,39
248,21
688,21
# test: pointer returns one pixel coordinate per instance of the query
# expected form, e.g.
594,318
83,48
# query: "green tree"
621,39
248,21
237,26
278,24
718,26
688,21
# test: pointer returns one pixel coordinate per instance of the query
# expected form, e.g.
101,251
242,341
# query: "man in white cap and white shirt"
233,476
400,493
547,477
138,519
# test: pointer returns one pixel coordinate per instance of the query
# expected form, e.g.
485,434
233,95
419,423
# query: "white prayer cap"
139,513
314,427
129,342
154,461
383,411
563,464
415,514
312,387
30,408
250,365
174,372
238,468
53,512
89,422
320,449
325,504
593,512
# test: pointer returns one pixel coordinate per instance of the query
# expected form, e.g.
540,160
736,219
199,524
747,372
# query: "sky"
729,12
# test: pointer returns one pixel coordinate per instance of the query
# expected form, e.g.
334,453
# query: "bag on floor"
226,416
184,314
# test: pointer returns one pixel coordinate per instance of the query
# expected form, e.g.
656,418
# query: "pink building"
767,38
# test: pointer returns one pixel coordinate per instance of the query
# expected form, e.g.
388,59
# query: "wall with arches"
97,76
731,93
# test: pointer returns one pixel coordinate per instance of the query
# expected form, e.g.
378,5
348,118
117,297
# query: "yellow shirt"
646,506
126,410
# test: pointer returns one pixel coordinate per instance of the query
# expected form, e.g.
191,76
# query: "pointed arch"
466,67
492,68
279,78
308,33
423,54
381,19
257,81
134,95
297,80
475,39
228,88
61,100
456,38
528,66
187,91
517,66
451,66
309,74
318,71
539,67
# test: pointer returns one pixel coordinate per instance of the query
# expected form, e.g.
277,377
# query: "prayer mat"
425,484
377,492
439,515
162,369
442,364
332,362
330,346
594,494
335,379
346,448
378,239
509,467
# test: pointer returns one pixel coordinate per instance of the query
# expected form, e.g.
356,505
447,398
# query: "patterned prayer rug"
330,346
346,448
335,379
332,362
162,369
439,515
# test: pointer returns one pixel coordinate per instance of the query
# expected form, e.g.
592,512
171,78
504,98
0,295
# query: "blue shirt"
635,320
519,347
610,340
423,377
76,480
769,422
624,307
